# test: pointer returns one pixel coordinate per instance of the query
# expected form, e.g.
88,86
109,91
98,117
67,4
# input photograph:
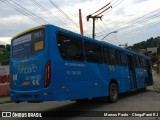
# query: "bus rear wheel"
113,93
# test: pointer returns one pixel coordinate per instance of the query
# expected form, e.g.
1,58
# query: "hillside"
152,42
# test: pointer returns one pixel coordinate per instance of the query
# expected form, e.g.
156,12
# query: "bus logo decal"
111,68
26,70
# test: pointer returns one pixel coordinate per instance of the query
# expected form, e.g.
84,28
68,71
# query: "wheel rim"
113,92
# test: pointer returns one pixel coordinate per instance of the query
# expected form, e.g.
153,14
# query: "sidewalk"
5,99
156,76
156,80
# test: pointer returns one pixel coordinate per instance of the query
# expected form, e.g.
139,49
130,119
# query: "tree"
5,57
8,47
2,46
158,50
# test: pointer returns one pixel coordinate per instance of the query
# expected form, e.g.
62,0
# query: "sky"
134,20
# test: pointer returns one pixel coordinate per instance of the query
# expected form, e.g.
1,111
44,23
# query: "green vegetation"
152,42
4,54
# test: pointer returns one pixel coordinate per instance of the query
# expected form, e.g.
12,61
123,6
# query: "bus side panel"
141,76
73,82
125,84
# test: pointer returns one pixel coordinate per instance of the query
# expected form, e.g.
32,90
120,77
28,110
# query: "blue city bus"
49,63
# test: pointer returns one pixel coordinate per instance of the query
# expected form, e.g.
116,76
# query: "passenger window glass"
93,52
137,61
123,57
119,60
70,48
112,56
106,55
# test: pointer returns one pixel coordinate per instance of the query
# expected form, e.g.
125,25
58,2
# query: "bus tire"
113,93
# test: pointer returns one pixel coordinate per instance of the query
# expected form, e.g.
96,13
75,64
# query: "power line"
114,6
49,13
65,14
134,30
21,11
54,4
143,19
140,21
100,26
29,12
118,3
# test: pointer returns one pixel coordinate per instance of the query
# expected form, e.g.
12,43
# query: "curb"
5,99
5,102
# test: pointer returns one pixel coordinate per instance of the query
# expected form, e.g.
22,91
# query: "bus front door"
132,73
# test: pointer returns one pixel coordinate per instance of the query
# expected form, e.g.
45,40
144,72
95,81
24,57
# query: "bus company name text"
74,64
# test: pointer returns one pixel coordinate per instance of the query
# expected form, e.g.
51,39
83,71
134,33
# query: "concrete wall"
4,80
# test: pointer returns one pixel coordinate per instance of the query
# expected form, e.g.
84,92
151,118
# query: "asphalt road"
143,101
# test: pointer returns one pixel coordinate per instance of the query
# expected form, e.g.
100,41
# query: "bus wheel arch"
113,91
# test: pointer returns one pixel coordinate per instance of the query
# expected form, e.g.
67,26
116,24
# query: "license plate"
26,82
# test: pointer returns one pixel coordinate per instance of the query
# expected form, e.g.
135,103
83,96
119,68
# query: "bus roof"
29,30
81,36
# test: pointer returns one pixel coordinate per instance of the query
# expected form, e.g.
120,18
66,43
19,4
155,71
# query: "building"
152,51
4,80
142,51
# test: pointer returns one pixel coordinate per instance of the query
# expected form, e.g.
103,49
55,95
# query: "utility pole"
94,17
80,22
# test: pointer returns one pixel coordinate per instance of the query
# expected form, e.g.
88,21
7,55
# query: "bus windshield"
28,44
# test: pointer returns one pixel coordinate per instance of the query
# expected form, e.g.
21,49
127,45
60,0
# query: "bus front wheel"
113,92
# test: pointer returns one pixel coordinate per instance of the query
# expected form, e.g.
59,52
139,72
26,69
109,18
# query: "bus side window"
70,48
93,52
140,61
137,61
123,57
106,55
143,63
112,56
119,60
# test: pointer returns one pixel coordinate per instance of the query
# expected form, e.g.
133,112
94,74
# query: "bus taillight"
47,74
